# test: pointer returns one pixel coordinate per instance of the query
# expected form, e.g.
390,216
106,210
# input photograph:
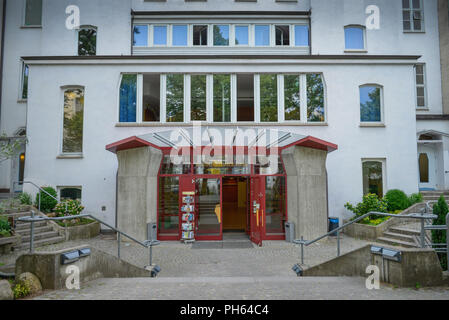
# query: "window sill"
372,125
356,51
30,27
70,156
409,31
220,124
22,101
422,109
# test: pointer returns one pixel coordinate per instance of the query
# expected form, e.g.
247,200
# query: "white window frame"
167,39
383,161
209,35
22,82
289,25
61,130
382,106
234,26
188,35
270,34
60,188
24,25
293,32
412,11
355,26
425,107
149,34
229,34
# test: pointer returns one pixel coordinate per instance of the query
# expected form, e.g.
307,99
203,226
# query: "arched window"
371,108
72,141
87,41
355,38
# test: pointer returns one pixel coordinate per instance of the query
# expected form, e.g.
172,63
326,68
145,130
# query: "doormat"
222,245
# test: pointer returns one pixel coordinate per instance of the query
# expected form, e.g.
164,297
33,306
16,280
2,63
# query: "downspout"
2,56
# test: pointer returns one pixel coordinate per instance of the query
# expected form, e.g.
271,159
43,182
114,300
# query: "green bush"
415,198
397,200
440,209
73,207
5,227
20,290
370,202
25,198
47,202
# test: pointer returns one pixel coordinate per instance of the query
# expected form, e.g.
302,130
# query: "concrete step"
40,229
396,242
26,225
40,243
17,214
434,198
399,236
435,192
405,231
40,236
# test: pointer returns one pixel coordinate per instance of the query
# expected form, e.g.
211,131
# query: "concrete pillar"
306,190
137,190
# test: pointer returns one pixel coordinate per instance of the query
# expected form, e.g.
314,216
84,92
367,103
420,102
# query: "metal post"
302,250
423,241
447,240
119,240
338,243
32,232
40,197
151,255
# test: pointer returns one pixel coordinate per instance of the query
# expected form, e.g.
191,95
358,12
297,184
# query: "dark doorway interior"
235,204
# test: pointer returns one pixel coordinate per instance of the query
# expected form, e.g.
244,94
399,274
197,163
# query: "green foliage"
73,121
21,290
87,42
315,97
268,98
5,227
25,198
370,108
68,208
440,209
370,202
396,200
47,202
10,146
415,198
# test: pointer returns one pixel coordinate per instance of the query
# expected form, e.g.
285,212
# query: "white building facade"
345,78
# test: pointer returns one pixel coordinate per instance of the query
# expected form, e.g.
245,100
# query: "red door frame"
251,175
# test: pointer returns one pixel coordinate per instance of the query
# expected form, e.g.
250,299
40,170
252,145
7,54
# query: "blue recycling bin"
334,223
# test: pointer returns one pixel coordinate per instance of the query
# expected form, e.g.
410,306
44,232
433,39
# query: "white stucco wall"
96,171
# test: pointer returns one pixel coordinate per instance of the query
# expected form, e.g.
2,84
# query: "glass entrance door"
257,209
208,202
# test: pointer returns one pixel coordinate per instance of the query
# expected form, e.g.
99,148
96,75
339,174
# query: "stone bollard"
5,290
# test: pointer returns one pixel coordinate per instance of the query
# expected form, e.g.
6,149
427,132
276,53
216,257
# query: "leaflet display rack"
188,217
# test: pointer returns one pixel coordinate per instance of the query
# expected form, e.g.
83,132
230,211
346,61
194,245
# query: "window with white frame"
420,74
180,35
221,35
140,36
200,34
160,35
373,172
301,35
355,38
262,35
70,193
258,98
412,15
87,41
282,33
24,86
72,141
33,13
371,109
241,35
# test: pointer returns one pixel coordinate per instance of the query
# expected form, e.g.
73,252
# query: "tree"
315,98
10,147
440,209
370,110
87,42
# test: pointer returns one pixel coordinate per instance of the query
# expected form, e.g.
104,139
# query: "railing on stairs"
419,216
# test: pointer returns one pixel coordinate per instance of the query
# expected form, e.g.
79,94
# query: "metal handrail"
40,192
32,219
421,216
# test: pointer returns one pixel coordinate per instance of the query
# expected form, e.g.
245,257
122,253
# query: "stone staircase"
44,233
403,236
434,195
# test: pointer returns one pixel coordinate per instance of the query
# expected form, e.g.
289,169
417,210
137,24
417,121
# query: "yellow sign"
218,212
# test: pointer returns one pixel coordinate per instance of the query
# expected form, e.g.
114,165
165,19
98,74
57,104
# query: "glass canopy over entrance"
213,180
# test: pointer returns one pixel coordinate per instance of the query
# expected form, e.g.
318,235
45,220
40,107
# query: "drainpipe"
2,55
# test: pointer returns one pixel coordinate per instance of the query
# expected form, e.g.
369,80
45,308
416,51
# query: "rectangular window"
262,35
373,177
221,35
175,98
275,205
73,121
302,36
200,35
282,35
354,38
128,95
160,35
222,98
292,97
412,15
140,36
315,98
33,12
198,97
245,97
241,36
370,104
151,101
70,193
179,35
168,206
420,86
87,42
268,98
25,72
